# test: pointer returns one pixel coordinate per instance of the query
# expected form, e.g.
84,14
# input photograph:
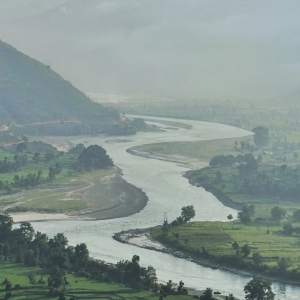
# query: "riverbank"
141,238
180,160
109,198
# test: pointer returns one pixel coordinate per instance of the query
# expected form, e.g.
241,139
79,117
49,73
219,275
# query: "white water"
167,191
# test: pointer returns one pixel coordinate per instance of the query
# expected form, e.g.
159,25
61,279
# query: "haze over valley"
149,149
215,49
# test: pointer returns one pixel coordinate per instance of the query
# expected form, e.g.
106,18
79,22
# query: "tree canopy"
187,213
261,136
257,289
95,157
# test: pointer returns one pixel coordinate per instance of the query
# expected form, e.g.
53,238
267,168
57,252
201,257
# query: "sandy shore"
110,198
191,163
36,217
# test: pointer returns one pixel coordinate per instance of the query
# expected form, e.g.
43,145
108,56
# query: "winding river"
167,191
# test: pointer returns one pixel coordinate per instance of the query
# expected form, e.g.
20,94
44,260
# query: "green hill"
31,92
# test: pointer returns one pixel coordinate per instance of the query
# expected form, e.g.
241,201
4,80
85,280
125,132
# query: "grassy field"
66,194
217,239
78,287
201,150
64,161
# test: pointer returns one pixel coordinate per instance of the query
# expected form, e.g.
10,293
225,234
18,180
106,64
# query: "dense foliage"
50,163
94,157
24,245
248,176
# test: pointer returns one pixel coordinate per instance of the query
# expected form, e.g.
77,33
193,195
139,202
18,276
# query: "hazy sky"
198,48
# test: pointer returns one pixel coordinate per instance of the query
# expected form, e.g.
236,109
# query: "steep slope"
31,92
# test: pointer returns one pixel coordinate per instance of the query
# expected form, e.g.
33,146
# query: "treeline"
127,127
12,166
248,175
82,159
24,245
277,181
92,157
245,162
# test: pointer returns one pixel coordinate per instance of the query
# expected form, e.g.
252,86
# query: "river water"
167,191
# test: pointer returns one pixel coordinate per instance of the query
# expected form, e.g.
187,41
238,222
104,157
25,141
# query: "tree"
6,223
77,150
283,264
56,278
246,250
95,157
236,247
187,213
278,213
257,289
207,295
246,214
261,136
82,254
257,258
229,217
288,229
58,241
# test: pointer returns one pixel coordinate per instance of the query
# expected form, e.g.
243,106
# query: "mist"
192,48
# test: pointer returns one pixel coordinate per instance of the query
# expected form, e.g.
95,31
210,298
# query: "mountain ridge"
31,92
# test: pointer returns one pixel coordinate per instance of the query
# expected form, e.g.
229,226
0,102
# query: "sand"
109,198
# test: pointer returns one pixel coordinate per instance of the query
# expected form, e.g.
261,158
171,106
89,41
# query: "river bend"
167,191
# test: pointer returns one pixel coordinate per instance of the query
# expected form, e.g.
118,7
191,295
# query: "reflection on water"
168,191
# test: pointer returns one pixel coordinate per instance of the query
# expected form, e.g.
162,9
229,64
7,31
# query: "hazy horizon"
194,48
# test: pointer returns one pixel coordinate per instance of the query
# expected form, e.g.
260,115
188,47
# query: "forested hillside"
31,92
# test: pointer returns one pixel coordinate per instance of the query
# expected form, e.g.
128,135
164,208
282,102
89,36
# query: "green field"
202,150
78,287
66,194
217,239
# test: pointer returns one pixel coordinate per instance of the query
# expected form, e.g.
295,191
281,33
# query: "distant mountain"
31,92
188,49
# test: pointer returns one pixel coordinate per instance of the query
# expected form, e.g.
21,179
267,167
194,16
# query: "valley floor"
81,199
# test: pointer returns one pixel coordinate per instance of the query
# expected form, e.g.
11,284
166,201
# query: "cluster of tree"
246,162
30,180
263,181
170,289
93,157
187,213
135,276
255,289
247,212
222,160
12,166
47,157
289,229
261,136
77,150
53,171
279,181
24,245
